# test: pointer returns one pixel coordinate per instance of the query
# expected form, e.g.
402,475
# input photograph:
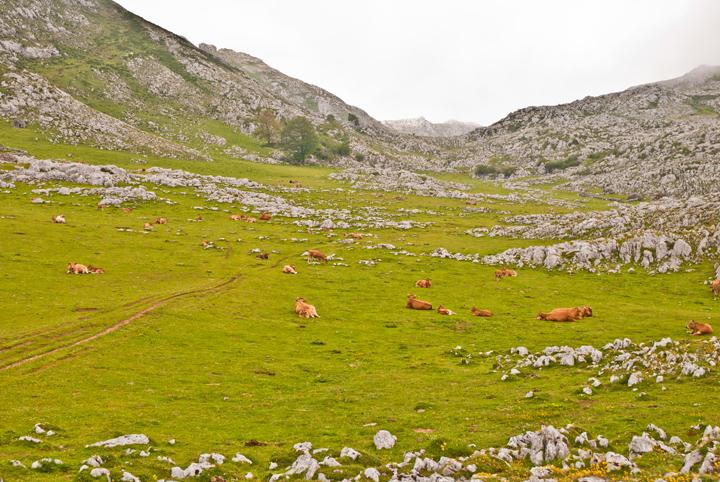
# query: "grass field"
221,358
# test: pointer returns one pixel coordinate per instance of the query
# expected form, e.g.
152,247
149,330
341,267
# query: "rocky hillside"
423,127
648,141
89,71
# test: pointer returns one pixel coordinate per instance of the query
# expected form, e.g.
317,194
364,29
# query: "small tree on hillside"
299,139
268,127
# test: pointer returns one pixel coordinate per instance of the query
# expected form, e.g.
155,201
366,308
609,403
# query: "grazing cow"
585,312
502,273
716,287
561,314
444,311
478,312
263,256
59,219
696,328
424,283
288,269
148,227
415,304
95,269
305,310
161,221
77,268
314,254
265,217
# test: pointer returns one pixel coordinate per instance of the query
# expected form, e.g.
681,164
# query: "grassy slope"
367,360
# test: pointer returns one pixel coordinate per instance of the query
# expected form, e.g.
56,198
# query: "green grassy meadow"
214,369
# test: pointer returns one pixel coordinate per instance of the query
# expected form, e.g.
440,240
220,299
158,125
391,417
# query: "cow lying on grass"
265,217
561,314
697,329
424,283
59,219
242,217
566,314
415,304
288,269
502,273
478,312
305,310
161,221
148,227
444,311
77,268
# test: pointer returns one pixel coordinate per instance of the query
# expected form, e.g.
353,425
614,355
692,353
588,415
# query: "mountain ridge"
420,126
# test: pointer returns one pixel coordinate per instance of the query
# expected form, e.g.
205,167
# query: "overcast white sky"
470,60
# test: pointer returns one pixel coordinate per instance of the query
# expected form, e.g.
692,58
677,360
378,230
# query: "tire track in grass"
116,326
7,344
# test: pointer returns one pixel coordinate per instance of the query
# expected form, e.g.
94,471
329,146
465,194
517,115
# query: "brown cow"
696,329
502,273
95,269
424,283
236,217
289,269
478,312
444,311
313,254
207,244
77,268
148,227
59,219
250,220
161,221
305,310
355,235
715,287
263,256
265,217
415,304
561,314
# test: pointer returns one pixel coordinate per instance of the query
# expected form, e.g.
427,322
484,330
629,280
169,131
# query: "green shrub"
559,165
486,170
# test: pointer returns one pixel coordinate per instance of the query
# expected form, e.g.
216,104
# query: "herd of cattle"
306,310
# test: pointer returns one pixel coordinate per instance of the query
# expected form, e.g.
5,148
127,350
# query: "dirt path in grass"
116,326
